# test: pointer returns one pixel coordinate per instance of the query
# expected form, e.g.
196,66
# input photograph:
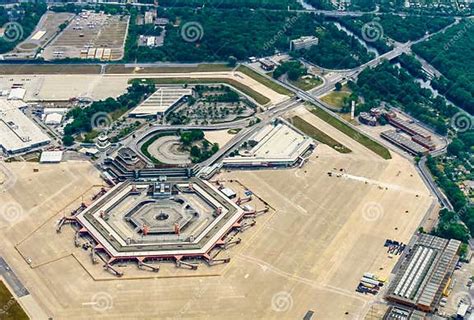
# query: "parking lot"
90,36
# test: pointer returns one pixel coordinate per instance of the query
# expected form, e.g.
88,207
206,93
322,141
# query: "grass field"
307,83
265,81
261,99
10,309
49,69
354,134
122,69
110,69
318,135
336,98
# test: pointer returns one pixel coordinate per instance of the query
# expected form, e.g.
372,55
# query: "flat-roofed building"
18,133
425,272
278,144
17,94
267,64
53,119
408,127
427,143
303,43
160,102
404,143
51,156
150,16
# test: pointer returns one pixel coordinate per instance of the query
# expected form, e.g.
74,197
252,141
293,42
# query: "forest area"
452,53
26,15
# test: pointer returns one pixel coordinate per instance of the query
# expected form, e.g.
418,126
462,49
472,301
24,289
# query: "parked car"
443,302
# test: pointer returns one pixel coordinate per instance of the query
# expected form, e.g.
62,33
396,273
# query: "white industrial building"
17,94
18,133
53,119
160,102
277,144
303,43
54,116
51,156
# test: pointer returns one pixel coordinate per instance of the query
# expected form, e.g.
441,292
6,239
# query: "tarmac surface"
308,253
58,87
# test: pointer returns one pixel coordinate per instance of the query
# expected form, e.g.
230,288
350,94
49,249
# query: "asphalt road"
10,277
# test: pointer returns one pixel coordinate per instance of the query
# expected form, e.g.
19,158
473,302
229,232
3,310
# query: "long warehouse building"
425,273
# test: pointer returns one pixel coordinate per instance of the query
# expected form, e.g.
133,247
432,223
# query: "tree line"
83,117
452,53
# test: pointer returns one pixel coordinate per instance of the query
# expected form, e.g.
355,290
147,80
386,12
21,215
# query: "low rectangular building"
409,127
404,143
18,133
17,94
51,156
267,64
303,43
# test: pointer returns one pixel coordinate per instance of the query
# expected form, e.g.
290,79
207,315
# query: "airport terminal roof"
160,101
17,132
279,142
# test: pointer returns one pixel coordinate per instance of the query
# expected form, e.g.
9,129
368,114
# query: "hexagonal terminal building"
160,220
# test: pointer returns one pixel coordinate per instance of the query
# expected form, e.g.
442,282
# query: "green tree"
68,140
232,61
456,147
195,152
